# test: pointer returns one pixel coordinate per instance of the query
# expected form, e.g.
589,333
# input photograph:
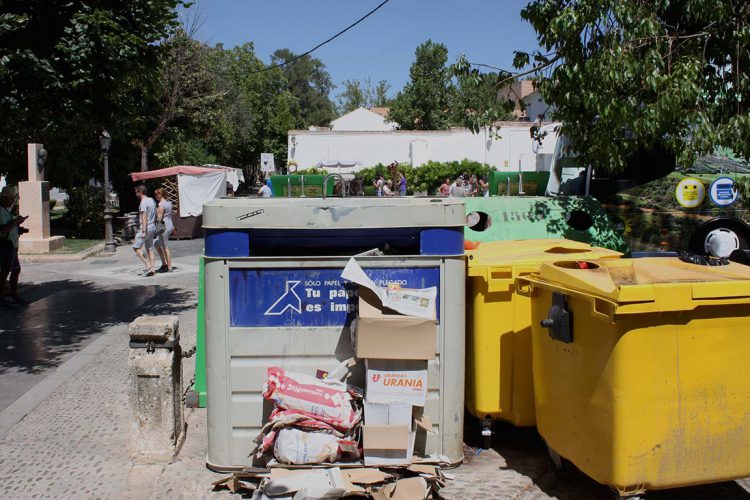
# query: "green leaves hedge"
428,177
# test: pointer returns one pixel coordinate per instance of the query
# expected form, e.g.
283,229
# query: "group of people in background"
153,233
465,185
385,187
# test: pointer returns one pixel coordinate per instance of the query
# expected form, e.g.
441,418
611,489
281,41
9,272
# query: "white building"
362,119
508,147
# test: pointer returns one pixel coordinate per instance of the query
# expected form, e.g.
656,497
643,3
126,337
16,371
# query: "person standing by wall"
144,239
401,184
379,183
484,187
164,214
10,267
445,187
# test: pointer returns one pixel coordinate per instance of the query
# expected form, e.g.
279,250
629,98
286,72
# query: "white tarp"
234,175
195,190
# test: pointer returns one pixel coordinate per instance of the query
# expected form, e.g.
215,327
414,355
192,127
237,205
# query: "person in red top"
445,187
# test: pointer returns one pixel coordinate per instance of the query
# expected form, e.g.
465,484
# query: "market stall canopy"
196,185
166,172
339,164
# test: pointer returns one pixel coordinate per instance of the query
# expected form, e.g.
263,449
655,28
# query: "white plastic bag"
294,446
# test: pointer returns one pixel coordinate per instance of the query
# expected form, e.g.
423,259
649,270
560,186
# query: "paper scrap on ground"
409,301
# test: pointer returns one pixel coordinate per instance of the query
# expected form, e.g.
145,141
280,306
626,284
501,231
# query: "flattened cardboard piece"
382,334
430,470
366,476
413,488
433,458
408,301
313,484
391,381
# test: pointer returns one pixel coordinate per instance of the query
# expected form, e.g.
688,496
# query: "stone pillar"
34,202
157,429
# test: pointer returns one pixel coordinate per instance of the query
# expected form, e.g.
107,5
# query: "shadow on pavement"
525,452
64,315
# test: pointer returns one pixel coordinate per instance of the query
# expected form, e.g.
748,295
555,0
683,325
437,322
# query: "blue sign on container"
309,297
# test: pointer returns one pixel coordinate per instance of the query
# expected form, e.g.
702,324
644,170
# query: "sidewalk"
67,436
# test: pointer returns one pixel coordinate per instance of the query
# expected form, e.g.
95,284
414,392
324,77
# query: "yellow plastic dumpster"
498,341
642,369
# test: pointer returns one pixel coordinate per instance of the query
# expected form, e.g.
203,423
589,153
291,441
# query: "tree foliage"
425,101
362,94
65,68
439,96
626,75
310,83
185,89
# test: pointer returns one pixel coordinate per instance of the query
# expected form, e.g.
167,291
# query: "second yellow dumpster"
498,337
641,372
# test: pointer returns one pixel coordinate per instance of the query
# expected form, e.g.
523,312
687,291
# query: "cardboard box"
392,381
382,333
387,444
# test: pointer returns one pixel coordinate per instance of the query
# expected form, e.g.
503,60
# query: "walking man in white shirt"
144,238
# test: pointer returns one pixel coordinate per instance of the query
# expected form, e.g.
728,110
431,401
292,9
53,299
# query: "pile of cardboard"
418,481
395,336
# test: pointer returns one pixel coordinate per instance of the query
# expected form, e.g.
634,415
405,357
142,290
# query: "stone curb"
72,257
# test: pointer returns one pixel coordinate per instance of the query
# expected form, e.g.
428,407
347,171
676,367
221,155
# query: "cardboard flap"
385,437
371,307
424,422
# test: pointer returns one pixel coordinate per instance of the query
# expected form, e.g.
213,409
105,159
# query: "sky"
382,46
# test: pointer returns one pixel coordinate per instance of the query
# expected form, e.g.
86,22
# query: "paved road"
73,303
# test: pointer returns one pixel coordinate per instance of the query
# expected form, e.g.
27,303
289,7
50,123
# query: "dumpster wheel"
561,466
486,428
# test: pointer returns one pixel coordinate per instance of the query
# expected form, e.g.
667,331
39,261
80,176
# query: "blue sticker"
309,297
723,192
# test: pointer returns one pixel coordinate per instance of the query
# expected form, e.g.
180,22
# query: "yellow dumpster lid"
658,279
495,253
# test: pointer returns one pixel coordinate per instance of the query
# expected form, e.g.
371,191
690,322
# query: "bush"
85,218
312,171
429,176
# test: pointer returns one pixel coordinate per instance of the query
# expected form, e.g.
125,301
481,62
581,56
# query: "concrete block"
34,202
29,246
154,328
157,428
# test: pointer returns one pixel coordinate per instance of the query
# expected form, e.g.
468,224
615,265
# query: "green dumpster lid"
668,282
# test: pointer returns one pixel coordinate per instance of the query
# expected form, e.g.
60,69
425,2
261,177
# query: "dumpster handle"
597,303
524,287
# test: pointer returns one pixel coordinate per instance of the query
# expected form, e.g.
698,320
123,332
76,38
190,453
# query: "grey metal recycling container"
272,287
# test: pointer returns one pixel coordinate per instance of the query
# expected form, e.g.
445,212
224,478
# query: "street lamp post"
105,141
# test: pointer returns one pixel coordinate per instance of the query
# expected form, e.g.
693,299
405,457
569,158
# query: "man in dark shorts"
9,264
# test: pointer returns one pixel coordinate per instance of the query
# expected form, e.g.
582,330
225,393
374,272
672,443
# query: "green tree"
65,68
626,75
380,94
425,102
354,96
185,89
478,99
358,94
310,83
